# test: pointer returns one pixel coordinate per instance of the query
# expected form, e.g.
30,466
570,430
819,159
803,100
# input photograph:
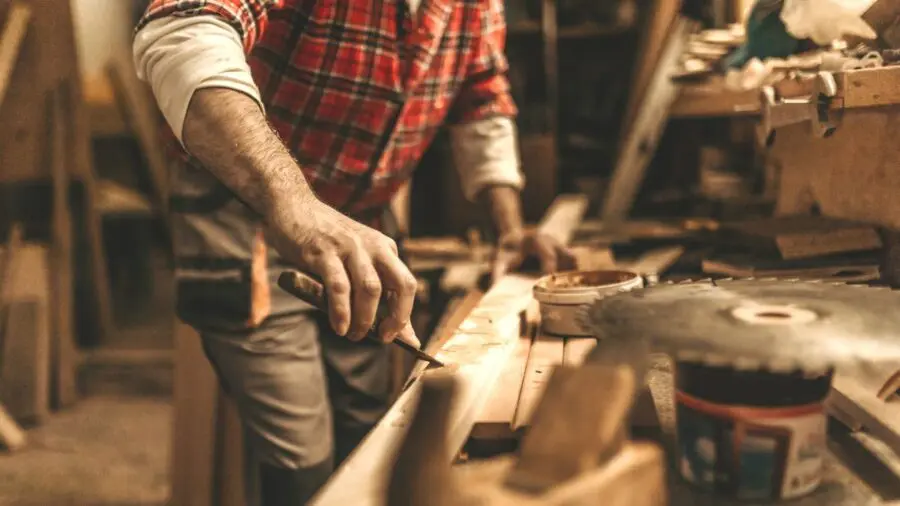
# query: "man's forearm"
504,206
228,133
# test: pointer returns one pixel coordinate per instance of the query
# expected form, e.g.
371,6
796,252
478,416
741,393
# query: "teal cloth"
767,37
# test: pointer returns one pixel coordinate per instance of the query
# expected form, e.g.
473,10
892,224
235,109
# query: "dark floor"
106,451
112,448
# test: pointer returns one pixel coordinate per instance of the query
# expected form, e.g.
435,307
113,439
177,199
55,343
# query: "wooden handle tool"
313,293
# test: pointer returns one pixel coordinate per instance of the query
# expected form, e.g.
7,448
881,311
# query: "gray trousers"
306,396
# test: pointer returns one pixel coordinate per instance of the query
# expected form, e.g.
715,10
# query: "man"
299,120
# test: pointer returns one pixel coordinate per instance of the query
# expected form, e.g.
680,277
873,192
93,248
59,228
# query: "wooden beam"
495,421
643,134
63,346
475,354
855,402
547,352
194,434
564,216
577,349
11,435
14,30
142,117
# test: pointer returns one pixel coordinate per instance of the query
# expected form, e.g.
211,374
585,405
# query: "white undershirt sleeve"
180,55
486,153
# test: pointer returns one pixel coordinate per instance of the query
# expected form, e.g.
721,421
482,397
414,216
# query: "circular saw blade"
773,324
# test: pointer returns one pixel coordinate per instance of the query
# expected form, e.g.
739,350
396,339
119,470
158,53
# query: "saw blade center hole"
773,315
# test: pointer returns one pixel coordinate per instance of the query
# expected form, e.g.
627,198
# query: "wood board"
854,401
547,352
477,353
64,347
13,33
25,371
642,135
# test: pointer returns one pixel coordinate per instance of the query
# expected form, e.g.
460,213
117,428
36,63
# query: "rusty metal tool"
313,293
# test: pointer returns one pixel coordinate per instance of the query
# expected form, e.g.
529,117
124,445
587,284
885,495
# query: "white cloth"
180,55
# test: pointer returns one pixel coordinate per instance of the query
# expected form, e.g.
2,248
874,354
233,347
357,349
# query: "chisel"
313,293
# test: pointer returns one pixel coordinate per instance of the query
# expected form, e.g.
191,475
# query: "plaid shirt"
357,90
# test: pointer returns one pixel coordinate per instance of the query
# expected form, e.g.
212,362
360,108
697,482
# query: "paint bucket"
750,435
561,296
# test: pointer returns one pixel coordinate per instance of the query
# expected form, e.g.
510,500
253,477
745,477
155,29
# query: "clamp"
816,108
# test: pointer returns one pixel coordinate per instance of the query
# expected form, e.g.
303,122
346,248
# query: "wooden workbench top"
876,87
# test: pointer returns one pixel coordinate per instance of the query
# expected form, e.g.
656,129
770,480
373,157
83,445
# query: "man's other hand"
358,266
514,249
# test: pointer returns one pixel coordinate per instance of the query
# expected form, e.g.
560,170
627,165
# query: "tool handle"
307,289
304,288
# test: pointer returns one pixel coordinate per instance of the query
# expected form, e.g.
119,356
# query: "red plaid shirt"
356,92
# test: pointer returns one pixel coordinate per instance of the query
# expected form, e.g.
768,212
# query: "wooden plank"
475,355
141,114
564,216
547,352
656,262
577,349
64,348
24,376
854,398
662,17
641,138
24,384
14,30
496,419
573,431
876,87
12,436
194,434
229,473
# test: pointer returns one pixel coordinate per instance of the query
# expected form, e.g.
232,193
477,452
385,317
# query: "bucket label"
751,453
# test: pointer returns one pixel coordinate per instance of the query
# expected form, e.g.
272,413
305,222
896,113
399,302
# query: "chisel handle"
312,292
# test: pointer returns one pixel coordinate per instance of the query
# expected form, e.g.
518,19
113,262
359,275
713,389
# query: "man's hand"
357,265
515,248
228,133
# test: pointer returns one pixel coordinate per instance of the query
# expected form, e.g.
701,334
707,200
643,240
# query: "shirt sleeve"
485,153
248,17
179,55
486,92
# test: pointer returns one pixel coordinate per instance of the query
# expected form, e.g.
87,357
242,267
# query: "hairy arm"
228,133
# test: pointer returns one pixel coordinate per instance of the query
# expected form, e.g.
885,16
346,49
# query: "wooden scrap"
547,352
854,400
643,133
577,349
557,448
11,435
797,237
25,356
142,117
848,269
63,346
656,262
593,258
14,30
194,434
564,216
495,421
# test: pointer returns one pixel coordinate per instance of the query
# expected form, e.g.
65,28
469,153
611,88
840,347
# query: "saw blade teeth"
746,364
583,318
781,365
717,360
